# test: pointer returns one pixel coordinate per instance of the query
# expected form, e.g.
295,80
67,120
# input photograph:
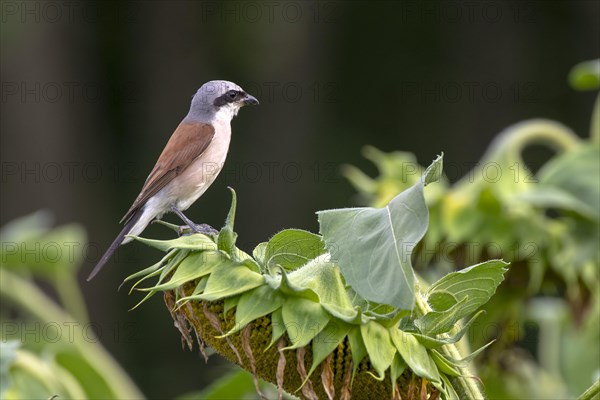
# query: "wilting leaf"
303,320
373,246
195,265
227,236
397,368
254,304
229,279
324,279
277,325
196,241
326,341
379,346
415,355
293,248
476,283
357,347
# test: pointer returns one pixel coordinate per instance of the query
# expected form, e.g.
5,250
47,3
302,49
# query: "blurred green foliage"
546,316
49,348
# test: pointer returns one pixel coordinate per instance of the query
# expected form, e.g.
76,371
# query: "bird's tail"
116,243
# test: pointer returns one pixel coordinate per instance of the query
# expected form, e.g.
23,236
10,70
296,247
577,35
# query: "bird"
189,163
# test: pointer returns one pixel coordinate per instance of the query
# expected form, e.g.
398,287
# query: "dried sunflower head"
289,315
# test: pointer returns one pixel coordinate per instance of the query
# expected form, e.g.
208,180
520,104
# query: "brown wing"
187,143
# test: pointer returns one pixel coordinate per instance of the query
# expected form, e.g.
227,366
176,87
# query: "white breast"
187,187
203,171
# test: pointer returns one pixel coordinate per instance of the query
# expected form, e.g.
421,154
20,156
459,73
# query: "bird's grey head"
219,100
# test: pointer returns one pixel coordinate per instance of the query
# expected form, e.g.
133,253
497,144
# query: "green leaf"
248,261
227,236
445,386
477,284
373,246
229,279
303,320
178,257
292,289
254,304
45,253
293,248
434,342
357,347
196,242
174,257
143,300
444,364
576,174
277,326
433,173
229,302
463,362
326,341
153,269
552,197
196,265
415,355
379,346
198,290
237,384
259,253
436,322
86,375
324,279
27,228
441,300
397,368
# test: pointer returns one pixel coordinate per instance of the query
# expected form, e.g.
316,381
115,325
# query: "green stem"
516,138
31,299
508,146
466,383
593,392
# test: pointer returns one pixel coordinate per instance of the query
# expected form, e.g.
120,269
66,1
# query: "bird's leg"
201,228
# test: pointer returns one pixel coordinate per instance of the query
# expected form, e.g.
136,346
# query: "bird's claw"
204,229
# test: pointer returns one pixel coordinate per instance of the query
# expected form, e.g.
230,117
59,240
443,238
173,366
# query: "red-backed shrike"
189,163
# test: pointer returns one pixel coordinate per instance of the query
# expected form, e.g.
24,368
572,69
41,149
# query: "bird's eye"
232,94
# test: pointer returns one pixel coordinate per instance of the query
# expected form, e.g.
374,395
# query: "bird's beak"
249,99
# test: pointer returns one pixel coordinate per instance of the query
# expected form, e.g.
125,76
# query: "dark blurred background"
92,91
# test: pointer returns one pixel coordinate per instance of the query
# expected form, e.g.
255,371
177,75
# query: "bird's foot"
204,229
